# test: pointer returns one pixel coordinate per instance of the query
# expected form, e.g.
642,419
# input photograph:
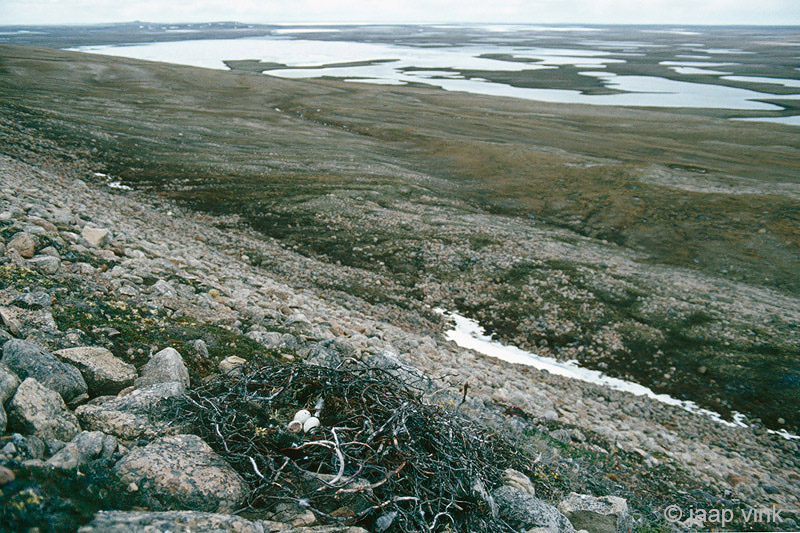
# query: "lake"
644,67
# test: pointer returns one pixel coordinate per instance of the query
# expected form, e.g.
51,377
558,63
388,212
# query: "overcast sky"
783,12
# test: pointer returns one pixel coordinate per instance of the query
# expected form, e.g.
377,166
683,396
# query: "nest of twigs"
381,458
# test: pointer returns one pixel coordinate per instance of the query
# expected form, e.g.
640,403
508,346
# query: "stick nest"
381,458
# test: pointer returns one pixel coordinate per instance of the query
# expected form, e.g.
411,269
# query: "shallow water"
422,57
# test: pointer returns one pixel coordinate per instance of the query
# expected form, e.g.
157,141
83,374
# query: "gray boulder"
523,511
164,367
38,410
3,419
104,373
131,416
151,522
607,514
29,360
182,472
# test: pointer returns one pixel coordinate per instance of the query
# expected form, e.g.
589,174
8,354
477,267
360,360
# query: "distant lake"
662,68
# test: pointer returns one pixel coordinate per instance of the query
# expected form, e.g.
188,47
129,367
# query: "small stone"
164,367
33,300
304,520
9,318
44,224
85,446
518,480
23,243
104,373
200,348
8,384
110,446
97,237
46,264
6,476
231,365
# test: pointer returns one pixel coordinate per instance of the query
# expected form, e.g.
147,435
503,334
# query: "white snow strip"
467,333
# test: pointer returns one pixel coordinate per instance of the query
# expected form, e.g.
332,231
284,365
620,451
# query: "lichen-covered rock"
38,410
143,521
523,511
131,416
104,373
29,360
182,472
164,367
607,514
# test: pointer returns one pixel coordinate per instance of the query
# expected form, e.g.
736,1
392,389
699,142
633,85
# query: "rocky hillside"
128,320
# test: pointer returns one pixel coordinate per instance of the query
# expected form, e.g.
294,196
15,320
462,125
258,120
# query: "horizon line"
404,23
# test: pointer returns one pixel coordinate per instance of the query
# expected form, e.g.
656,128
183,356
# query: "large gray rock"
607,514
38,410
3,419
164,367
174,521
131,416
8,384
523,511
97,237
23,243
182,472
29,360
104,373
